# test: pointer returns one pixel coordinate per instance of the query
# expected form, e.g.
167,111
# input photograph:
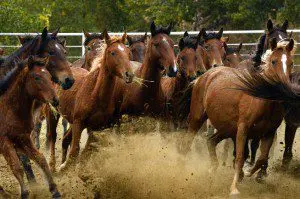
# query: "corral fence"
76,48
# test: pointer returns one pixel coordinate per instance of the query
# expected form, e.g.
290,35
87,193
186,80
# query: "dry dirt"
139,162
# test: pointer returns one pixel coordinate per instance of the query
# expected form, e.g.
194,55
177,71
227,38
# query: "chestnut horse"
232,56
148,97
137,47
93,44
242,117
95,111
31,82
187,72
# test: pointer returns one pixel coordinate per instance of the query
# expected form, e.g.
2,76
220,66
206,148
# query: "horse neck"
26,50
16,94
87,63
105,83
180,83
151,73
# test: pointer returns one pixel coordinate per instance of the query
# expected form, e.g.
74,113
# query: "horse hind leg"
290,131
262,161
212,142
241,139
13,161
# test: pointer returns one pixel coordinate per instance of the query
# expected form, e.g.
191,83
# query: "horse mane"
211,35
259,50
184,102
92,37
188,42
98,61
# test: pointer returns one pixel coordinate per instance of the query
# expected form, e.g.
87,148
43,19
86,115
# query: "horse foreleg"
35,134
52,122
225,151
67,138
241,139
40,160
75,147
13,161
254,144
27,168
290,131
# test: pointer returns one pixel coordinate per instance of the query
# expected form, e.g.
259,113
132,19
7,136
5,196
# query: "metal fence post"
82,43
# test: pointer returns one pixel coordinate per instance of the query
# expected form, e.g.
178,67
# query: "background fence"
9,42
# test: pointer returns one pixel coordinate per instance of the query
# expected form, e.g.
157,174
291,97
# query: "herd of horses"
245,100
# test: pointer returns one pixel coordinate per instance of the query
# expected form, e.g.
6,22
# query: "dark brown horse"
137,47
89,103
43,45
232,56
93,44
148,98
187,72
242,117
31,82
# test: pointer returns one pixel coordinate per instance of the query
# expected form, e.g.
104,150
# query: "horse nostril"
69,82
215,65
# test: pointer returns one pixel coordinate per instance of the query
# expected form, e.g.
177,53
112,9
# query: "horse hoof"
260,178
25,195
234,192
56,195
63,167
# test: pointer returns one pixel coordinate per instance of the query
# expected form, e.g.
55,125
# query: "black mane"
188,42
259,50
92,37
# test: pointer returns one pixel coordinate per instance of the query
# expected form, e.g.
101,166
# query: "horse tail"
271,87
184,102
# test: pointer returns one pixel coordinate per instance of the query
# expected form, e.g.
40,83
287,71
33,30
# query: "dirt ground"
140,162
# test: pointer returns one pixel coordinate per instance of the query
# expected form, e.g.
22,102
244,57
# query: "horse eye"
51,53
273,63
113,53
88,48
156,44
37,78
183,58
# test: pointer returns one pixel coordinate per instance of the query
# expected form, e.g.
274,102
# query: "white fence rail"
229,32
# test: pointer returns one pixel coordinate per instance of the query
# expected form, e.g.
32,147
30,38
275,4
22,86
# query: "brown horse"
93,44
95,111
137,47
213,44
43,45
187,72
232,56
148,98
32,82
242,116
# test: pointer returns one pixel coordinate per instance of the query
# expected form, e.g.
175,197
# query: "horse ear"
64,43
124,37
169,28
225,39
144,38
129,39
86,34
225,47
220,33
270,25
54,34
153,28
44,33
21,39
181,44
240,47
273,43
106,36
186,34
285,25
291,35
289,47
203,33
